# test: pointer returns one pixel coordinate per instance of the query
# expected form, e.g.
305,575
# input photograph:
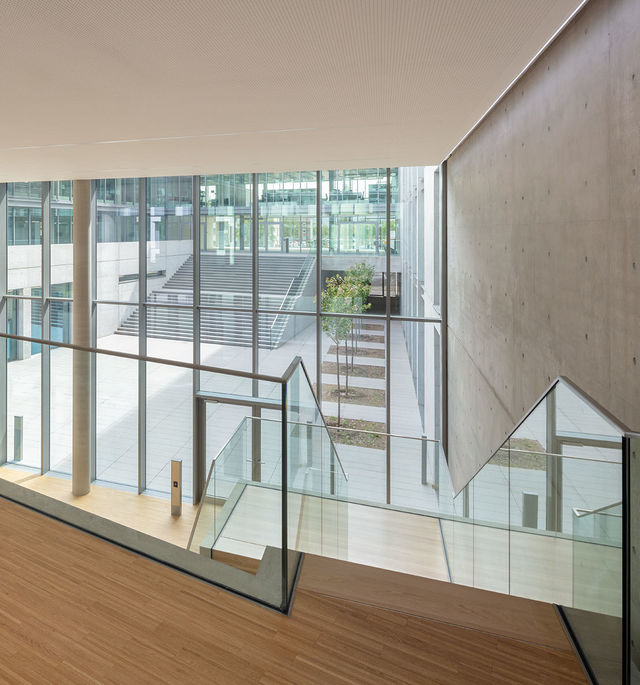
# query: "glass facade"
337,267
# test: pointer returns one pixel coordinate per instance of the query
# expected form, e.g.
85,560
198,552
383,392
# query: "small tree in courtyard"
358,276
345,295
337,328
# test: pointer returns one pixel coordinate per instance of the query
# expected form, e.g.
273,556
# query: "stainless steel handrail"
308,261
579,512
144,358
586,398
360,430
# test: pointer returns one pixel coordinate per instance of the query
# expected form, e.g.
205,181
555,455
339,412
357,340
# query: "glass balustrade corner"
226,475
544,519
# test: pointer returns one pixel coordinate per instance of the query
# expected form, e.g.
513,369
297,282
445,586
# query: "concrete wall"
544,238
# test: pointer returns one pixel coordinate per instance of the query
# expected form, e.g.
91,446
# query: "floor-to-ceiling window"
338,267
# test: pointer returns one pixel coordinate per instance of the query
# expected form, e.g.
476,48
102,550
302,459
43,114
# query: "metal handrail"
579,512
309,260
585,397
282,380
360,430
144,358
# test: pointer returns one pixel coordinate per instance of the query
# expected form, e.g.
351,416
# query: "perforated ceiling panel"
152,87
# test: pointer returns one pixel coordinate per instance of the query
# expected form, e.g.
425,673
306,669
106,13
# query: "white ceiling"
102,88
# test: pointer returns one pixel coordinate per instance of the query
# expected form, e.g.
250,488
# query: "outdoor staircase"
225,281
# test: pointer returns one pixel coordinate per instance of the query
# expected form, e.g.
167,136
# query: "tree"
336,327
358,276
345,295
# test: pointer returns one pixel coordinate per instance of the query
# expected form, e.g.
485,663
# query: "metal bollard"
17,438
529,510
176,487
465,502
309,444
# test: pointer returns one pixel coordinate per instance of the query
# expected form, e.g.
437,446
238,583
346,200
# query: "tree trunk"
359,324
346,366
353,346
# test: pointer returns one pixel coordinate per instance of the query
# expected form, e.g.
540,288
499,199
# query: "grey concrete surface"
544,241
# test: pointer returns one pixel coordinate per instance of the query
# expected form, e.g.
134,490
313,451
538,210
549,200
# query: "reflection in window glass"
287,219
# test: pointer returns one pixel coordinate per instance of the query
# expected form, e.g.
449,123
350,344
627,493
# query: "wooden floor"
151,515
369,535
76,609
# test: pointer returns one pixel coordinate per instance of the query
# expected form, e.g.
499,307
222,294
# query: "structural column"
81,468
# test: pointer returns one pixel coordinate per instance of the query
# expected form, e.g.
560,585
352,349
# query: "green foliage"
346,294
360,273
335,300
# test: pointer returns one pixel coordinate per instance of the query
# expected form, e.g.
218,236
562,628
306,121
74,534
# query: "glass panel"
24,237
596,608
169,425
353,366
354,200
415,382
170,333
225,240
24,317
61,389
117,235
489,510
354,231
414,474
545,523
419,246
239,519
61,233
245,532
222,417
364,456
117,327
169,243
287,216
316,478
24,384
117,420
283,337
545,518
117,395
225,485
573,415
225,339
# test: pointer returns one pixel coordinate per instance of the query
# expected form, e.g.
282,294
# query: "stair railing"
287,301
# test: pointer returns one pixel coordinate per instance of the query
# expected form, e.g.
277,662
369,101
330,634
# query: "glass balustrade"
225,475
543,519
548,517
